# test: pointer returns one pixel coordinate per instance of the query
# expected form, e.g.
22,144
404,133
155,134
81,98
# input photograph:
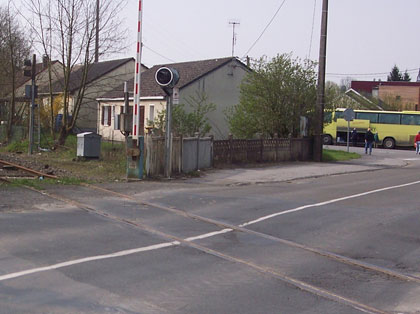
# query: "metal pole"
168,137
320,102
348,135
126,99
39,126
233,36
97,33
31,109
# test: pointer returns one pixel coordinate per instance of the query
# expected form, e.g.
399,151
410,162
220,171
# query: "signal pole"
320,99
233,36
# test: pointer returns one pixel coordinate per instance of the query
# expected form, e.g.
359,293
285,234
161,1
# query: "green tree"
395,75
406,76
189,118
273,98
335,97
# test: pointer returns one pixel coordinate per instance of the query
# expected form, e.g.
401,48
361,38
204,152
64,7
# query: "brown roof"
96,70
189,72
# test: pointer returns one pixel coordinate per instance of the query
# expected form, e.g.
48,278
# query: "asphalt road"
344,243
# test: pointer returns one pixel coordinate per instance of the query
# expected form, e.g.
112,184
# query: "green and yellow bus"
394,128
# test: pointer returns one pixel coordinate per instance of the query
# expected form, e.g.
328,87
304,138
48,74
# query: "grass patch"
111,165
18,146
329,155
40,184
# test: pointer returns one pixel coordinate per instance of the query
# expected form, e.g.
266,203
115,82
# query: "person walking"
354,137
417,142
369,139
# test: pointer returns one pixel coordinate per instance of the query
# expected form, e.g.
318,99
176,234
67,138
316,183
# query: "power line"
312,31
155,52
262,33
367,74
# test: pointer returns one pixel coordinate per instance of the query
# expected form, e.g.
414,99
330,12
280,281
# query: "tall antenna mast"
97,33
233,23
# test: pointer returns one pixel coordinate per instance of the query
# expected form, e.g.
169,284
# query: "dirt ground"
90,170
34,162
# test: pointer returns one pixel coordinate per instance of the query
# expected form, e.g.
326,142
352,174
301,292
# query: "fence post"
181,153
276,141
230,148
261,148
197,135
212,150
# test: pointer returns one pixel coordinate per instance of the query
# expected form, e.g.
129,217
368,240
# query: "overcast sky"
364,36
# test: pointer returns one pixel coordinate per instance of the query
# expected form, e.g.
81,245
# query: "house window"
106,115
152,113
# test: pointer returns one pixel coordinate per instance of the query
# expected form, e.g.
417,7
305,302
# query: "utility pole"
320,99
32,107
233,36
97,33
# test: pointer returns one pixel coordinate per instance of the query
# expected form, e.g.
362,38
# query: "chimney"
45,61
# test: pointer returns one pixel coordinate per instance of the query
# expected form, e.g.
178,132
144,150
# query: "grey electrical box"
88,145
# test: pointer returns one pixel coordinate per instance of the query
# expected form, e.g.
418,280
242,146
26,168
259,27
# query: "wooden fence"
222,152
188,154
262,150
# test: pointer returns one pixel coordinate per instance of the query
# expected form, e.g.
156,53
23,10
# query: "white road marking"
202,236
326,203
208,235
88,259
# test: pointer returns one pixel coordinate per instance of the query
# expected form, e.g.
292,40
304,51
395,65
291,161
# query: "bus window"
338,115
372,117
327,116
410,119
389,118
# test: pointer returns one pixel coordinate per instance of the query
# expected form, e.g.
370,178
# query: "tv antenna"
233,23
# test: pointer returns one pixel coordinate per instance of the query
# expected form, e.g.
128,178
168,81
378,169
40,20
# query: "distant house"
405,94
218,79
102,78
41,78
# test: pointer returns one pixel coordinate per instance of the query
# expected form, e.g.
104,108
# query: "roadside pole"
168,136
320,99
32,107
167,78
348,135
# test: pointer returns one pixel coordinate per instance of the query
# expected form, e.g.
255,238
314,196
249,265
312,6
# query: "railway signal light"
27,71
167,77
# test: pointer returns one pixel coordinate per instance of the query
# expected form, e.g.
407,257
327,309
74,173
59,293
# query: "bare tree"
14,48
66,29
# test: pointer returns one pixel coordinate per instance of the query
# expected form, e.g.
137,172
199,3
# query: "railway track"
372,270
10,170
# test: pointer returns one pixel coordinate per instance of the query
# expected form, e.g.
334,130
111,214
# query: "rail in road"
12,170
365,269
